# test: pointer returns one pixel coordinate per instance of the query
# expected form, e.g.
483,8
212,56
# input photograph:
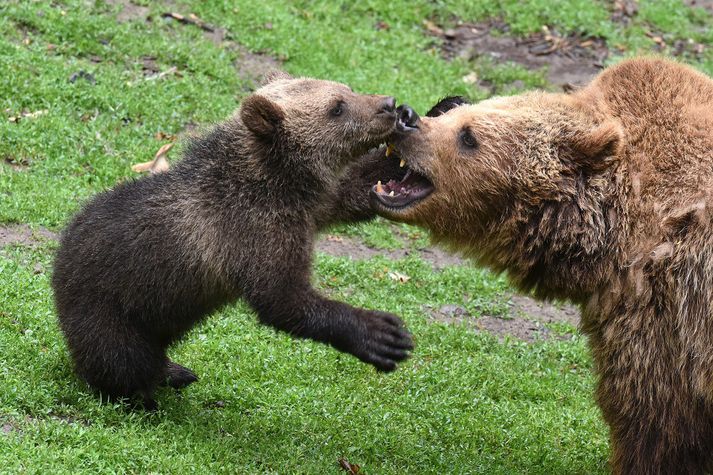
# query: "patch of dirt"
525,330
23,235
623,11
525,320
571,60
665,43
707,4
524,306
129,11
341,246
20,165
253,67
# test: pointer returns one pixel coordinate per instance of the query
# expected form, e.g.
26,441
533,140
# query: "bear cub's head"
316,121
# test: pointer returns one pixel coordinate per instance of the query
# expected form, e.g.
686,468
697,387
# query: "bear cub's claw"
178,376
386,341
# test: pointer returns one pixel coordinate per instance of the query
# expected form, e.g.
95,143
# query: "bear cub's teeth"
389,149
379,187
402,163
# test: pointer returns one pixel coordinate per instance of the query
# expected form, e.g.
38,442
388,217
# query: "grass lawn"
89,88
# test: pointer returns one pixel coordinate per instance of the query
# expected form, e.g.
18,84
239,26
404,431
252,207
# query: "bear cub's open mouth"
412,188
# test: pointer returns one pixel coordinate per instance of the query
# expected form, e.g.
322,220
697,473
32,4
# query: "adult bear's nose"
407,118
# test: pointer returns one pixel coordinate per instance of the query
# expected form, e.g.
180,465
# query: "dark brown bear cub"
141,264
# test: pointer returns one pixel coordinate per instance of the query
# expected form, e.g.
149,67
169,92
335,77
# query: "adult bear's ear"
446,104
261,116
597,148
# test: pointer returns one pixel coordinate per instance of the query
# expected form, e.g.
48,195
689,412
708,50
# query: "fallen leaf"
191,19
27,115
382,25
398,276
433,28
32,115
333,238
158,164
470,78
153,77
350,468
163,136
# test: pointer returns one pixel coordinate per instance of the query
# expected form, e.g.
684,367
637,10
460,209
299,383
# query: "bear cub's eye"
468,139
337,110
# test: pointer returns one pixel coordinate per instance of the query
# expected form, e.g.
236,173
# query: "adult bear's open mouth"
397,195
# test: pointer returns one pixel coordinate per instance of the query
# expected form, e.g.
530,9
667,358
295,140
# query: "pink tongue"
399,186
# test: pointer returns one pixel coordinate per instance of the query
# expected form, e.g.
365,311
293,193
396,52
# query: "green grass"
464,403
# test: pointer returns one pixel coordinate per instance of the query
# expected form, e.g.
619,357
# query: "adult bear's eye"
337,110
468,139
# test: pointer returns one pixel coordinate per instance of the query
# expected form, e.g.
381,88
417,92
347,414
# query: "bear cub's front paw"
384,341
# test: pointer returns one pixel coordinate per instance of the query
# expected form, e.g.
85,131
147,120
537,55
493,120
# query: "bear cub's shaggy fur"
141,264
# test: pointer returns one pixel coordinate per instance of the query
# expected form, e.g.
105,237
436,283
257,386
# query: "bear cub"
143,263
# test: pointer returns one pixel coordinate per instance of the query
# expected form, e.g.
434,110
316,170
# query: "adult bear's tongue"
398,194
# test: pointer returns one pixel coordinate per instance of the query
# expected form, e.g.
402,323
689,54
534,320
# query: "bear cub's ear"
597,148
275,75
261,116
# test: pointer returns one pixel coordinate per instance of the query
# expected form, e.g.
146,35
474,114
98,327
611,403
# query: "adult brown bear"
602,197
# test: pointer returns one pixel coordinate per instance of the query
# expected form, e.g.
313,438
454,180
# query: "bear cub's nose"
407,118
388,105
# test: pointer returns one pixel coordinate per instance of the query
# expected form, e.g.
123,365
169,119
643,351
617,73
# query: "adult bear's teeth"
379,188
392,193
402,163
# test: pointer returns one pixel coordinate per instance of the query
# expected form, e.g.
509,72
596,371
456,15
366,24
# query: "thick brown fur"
602,197
236,218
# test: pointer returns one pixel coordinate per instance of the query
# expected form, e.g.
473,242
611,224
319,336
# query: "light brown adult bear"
602,197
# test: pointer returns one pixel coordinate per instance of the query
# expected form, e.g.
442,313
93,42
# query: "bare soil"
255,67
707,4
129,11
20,165
341,246
23,235
571,60
525,321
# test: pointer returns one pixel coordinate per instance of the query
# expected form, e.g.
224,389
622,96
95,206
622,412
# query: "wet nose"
387,105
407,117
